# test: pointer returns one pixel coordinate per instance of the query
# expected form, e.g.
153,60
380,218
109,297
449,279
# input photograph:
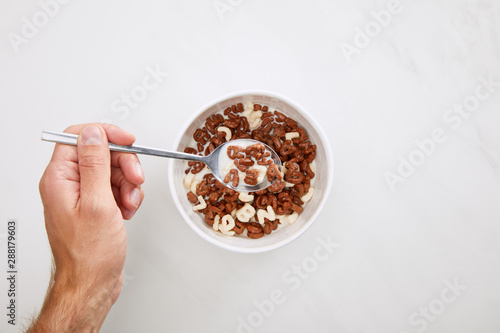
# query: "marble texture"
420,256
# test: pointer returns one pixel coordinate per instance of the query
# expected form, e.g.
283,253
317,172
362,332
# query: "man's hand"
87,192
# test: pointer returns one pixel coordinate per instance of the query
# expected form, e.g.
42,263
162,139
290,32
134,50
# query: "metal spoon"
213,161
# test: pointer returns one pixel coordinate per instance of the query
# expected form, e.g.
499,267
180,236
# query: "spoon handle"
71,139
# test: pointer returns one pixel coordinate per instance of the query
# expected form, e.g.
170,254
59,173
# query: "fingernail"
139,170
91,135
128,214
135,197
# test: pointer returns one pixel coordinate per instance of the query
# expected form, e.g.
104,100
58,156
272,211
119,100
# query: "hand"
87,191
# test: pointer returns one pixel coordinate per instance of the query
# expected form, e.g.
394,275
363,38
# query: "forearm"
69,307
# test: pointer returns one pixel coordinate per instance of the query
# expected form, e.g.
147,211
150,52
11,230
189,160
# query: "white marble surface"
396,252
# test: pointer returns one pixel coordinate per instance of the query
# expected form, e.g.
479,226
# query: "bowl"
285,234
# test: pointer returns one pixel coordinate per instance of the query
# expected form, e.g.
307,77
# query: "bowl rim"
305,114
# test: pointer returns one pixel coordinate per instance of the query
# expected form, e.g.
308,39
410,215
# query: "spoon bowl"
213,161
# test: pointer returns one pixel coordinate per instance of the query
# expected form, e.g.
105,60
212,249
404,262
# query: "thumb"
94,165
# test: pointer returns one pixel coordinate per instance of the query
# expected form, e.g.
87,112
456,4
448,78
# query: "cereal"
239,227
281,218
201,205
210,148
256,150
233,177
214,196
214,121
293,174
246,161
215,226
194,185
203,188
277,186
280,117
255,214
248,109
188,180
262,171
240,165
290,219
227,223
254,115
201,136
273,173
292,135
263,214
308,195
252,177
244,158
231,197
196,167
255,230
254,119
192,197
245,197
265,200
270,226
245,213
296,208
267,162
235,152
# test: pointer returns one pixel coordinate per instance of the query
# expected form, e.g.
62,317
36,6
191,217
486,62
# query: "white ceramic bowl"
286,234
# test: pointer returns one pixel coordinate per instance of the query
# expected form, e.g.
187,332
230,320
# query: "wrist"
73,307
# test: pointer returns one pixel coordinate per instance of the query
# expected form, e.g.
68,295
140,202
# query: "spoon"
213,161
